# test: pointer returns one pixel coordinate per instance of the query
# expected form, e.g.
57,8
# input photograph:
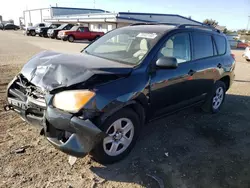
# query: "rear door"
207,62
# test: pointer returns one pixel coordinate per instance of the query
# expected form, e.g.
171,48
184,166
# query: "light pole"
248,23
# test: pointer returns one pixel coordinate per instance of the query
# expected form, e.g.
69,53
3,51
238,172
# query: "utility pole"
248,23
94,3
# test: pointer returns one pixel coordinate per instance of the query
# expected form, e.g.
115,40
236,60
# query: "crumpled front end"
67,132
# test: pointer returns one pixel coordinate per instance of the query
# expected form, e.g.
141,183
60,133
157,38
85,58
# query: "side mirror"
167,62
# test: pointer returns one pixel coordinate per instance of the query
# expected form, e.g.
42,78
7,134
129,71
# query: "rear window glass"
203,45
221,44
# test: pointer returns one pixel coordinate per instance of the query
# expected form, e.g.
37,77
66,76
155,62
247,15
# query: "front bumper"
39,32
63,37
69,133
51,35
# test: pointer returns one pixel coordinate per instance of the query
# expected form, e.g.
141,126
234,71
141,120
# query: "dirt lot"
188,149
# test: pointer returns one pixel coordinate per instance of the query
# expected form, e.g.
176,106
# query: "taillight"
233,56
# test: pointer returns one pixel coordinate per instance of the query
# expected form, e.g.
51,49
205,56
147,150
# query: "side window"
68,27
203,45
81,29
221,44
177,46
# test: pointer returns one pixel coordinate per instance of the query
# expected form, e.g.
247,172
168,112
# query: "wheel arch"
139,105
226,80
71,35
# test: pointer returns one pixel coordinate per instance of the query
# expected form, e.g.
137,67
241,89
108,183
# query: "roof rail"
206,27
180,26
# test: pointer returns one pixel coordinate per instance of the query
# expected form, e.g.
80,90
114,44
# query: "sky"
230,13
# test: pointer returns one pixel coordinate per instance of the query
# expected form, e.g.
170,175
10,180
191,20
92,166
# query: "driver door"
172,88
82,33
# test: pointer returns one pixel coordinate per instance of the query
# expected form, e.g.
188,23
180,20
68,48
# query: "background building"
98,19
107,21
34,16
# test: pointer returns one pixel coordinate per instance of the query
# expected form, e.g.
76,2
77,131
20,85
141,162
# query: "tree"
210,22
227,31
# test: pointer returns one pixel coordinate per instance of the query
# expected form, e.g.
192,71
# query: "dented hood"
50,70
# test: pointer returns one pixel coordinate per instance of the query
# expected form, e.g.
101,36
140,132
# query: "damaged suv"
98,101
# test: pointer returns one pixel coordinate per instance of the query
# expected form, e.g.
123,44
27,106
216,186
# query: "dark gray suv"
98,101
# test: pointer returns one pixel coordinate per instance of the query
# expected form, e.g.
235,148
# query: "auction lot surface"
188,149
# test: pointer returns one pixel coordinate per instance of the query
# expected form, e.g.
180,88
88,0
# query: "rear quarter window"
203,45
221,44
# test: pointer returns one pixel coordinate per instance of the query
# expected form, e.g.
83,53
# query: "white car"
247,53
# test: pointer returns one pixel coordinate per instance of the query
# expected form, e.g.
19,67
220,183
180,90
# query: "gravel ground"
188,149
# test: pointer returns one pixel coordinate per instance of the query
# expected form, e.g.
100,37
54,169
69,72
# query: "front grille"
25,97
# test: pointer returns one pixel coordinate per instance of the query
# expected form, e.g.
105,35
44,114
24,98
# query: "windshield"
62,26
54,26
74,28
124,45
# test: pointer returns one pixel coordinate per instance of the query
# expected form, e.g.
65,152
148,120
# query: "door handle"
191,72
219,65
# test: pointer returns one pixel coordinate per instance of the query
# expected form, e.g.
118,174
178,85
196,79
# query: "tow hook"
7,107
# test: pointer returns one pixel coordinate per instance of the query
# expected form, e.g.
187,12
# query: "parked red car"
242,44
79,33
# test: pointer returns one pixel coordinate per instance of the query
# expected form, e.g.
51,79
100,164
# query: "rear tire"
216,98
123,129
71,38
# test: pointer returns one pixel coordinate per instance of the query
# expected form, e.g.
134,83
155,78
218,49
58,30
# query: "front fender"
113,96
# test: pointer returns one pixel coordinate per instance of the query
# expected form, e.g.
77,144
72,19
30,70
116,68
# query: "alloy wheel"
71,39
218,98
120,135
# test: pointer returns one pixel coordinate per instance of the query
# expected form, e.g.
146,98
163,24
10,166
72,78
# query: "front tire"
71,38
216,98
122,129
33,33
